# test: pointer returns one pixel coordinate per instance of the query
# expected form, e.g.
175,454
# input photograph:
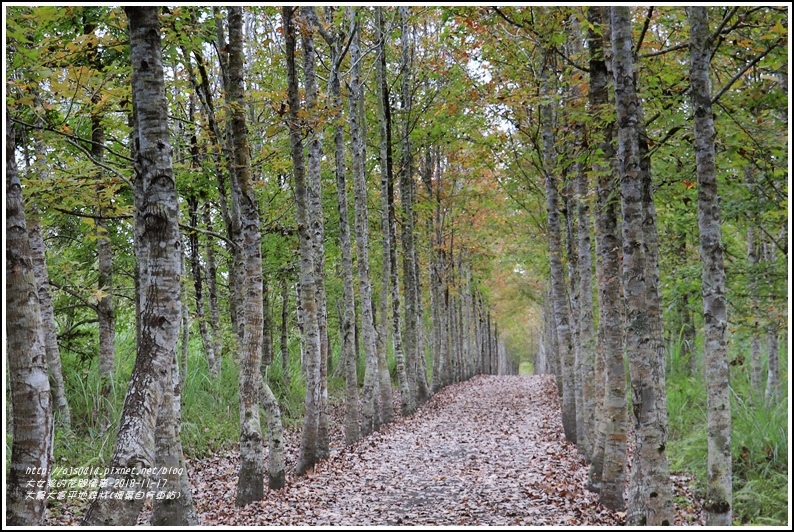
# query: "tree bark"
159,250
250,483
417,382
719,499
753,256
559,297
352,427
385,155
772,393
369,400
650,490
178,510
198,285
49,327
285,376
608,468
314,189
31,403
276,474
569,212
388,220
306,225
105,312
267,326
585,317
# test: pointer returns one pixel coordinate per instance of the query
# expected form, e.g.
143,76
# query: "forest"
396,265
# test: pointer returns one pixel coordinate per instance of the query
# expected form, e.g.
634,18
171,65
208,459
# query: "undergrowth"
759,438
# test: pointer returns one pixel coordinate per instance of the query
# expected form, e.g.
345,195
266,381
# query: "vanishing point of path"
489,451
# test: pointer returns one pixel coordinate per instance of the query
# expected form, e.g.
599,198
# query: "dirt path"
488,451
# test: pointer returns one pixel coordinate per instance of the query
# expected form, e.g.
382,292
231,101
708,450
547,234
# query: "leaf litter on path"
488,451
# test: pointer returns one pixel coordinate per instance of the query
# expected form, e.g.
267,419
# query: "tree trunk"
719,499
306,225
407,401
276,475
267,326
650,492
49,327
159,250
184,343
31,403
314,189
285,376
250,483
418,390
352,426
586,353
772,393
167,510
753,255
369,399
569,211
212,286
609,461
559,297
388,230
198,285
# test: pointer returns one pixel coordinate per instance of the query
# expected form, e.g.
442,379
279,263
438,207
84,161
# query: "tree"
306,226
159,251
417,380
31,404
250,486
315,206
718,507
389,221
336,41
559,296
650,491
609,457
369,407
49,326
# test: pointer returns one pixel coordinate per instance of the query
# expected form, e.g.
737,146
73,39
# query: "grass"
210,406
759,440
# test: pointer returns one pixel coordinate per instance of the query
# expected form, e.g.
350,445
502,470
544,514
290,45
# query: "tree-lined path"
282,265
489,451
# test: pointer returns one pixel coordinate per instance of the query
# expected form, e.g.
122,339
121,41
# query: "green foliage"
210,406
759,441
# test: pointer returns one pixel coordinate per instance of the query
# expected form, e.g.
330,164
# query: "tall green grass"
759,438
210,405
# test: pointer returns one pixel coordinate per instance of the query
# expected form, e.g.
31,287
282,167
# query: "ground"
489,451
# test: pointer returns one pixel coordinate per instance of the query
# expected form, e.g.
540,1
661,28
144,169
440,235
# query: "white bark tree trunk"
719,498
159,250
31,404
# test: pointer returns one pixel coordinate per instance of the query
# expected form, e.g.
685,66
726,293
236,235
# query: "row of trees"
210,112
477,158
595,124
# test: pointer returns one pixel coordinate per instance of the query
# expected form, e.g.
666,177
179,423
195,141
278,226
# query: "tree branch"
725,20
87,153
570,61
77,295
187,227
666,50
644,30
72,137
747,67
92,216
